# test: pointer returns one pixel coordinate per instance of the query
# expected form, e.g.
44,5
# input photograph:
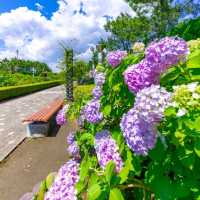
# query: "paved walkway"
12,112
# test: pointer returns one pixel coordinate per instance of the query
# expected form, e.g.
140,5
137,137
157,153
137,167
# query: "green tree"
162,14
126,30
81,70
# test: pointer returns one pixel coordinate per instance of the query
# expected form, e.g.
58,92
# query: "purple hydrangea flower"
138,125
99,78
70,138
60,117
92,111
73,149
140,75
115,57
107,150
97,92
140,135
167,52
151,102
63,187
159,57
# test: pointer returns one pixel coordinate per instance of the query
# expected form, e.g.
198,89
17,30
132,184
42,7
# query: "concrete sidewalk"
31,162
12,112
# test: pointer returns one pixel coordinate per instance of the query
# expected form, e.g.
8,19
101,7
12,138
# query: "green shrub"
15,91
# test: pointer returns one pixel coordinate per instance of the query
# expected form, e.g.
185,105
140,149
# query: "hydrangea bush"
140,131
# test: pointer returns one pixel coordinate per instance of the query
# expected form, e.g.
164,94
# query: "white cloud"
37,37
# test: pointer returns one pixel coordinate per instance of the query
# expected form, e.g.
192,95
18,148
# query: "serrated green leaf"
94,192
115,194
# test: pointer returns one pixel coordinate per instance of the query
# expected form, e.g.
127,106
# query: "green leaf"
197,147
126,169
93,179
84,168
170,112
158,153
107,109
109,171
194,60
94,192
187,157
115,194
163,188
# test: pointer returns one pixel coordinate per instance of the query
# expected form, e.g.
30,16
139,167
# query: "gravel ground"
31,162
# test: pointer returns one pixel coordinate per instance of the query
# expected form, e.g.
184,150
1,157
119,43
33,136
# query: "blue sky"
50,6
36,27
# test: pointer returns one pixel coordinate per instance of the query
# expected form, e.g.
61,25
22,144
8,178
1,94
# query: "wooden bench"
40,123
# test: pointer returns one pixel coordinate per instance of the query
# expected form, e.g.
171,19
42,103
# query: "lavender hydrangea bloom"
63,187
167,52
140,76
97,92
70,138
140,135
60,117
115,57
73,149
151,102
107,150
138,125
92,111
99,78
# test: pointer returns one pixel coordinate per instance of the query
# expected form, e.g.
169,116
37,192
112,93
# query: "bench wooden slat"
45,113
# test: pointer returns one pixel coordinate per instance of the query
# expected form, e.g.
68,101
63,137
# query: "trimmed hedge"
15,91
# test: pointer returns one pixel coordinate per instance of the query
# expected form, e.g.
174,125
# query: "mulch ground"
31,162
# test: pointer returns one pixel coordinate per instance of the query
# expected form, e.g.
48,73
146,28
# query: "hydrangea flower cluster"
73,148
99,78
63,187
167,52
138,125
159,56
107,150
138,47
140,135
71,138
61,116
97,92
91,112
151,102
186,98
140,75
115,57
